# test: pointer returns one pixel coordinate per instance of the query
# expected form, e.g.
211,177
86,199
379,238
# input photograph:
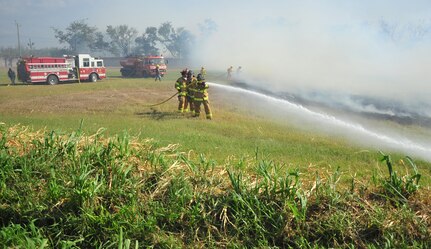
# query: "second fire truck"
142,66
53,70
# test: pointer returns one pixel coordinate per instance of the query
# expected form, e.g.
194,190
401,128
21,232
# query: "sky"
357,46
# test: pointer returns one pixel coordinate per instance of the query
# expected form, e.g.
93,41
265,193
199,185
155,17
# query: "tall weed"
399,188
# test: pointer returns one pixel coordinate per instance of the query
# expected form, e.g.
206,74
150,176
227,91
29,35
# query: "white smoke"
376,50
363,57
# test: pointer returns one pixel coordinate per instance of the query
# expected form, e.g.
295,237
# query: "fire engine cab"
58,69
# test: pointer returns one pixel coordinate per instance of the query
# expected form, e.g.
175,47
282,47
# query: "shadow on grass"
158,115
18,84
14,85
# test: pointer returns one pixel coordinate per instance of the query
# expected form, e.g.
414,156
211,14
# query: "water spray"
401,144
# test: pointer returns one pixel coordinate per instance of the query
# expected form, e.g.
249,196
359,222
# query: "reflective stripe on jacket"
191,87
201,91
181,86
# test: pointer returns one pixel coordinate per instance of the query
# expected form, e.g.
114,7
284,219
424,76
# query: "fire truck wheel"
93,77
52,80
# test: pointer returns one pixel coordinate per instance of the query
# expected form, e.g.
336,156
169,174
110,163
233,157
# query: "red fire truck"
142,66
57,69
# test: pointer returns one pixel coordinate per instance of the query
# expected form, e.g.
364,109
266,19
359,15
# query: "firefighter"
11,75
191,85
181,86
201,97
203,71
158,75
229,72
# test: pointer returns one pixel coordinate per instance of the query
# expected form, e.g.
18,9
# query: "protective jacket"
181,86
201,91
191,86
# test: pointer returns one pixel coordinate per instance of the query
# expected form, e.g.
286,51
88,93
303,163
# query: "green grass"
119,105
153,177
80,190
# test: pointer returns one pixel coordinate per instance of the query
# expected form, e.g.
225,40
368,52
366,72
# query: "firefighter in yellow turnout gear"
181,86
201,97
191,85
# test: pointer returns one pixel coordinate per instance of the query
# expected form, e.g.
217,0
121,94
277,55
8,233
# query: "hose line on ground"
164,101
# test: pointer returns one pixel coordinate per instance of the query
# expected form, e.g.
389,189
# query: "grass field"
118,105
231,181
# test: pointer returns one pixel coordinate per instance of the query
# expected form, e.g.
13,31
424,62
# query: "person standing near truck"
158,75
11,74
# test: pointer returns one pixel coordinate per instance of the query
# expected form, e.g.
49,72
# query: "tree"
147,43
8,54
208,27
184,43
177,41
121,39
78,35
100,43
30,44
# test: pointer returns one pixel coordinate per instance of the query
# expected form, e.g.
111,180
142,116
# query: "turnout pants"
206,103
189,103
181,103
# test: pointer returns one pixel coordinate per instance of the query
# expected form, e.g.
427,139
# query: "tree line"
121,40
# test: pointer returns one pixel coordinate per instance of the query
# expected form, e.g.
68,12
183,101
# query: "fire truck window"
86,63
99,64
92,64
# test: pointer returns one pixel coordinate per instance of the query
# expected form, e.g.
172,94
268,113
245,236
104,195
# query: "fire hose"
164,101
